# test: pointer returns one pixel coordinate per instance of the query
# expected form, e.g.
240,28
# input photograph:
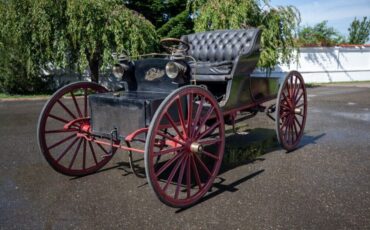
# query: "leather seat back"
222,45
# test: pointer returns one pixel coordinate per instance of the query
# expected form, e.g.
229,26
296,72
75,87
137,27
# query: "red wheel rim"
291,111
192,150
62,146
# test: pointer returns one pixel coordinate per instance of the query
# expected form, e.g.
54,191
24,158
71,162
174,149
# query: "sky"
338,13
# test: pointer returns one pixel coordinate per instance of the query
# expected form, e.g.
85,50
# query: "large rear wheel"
291,111
188,133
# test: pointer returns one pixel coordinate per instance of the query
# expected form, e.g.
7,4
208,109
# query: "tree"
78,34
23,44
319,35
279,25
171,17
177,26
359,32
97,28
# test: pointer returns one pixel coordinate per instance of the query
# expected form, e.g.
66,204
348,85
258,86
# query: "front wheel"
63,131
188,133
291,111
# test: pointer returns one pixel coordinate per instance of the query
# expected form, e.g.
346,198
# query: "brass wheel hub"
298,111
196,147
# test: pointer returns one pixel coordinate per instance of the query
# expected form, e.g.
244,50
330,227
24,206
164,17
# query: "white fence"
334,64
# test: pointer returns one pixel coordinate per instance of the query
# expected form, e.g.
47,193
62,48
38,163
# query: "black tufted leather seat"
217,51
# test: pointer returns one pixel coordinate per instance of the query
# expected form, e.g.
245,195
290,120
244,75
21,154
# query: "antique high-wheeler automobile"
172,110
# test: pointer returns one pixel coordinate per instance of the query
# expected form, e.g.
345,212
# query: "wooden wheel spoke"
287,134
291,133
75,102
61,141
167,151
296,93
67,149
188,178
208,154
75,154
181,116
294,86
169,118
295,129
204,120
284,122
173,172
299,98
93,152
300,105
287,86
197,115
196,172
285,115
203,165
210,142
209,130
168,163
103,149
286,100
284,111
58,118
84,155
286,107
66,109
299,124
61,131
190,111
181,175
290,89
170,138
287,123
298,89
287,130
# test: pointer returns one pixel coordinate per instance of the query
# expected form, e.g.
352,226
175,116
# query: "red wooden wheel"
63,124
188,132
291,111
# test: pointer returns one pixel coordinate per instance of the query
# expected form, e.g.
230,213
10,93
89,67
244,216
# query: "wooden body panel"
244,88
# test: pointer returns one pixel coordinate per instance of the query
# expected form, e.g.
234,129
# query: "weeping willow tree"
77,34
23,50
279,25
99,27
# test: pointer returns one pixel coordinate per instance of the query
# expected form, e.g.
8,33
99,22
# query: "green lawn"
312,85
15,96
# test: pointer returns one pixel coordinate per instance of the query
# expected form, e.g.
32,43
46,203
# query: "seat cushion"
212,68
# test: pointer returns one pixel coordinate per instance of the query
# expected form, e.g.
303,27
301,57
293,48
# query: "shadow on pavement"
240,149
220,188
307,140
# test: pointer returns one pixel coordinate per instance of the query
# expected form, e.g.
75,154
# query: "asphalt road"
325,184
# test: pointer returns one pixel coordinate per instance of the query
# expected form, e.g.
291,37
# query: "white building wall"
334,64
